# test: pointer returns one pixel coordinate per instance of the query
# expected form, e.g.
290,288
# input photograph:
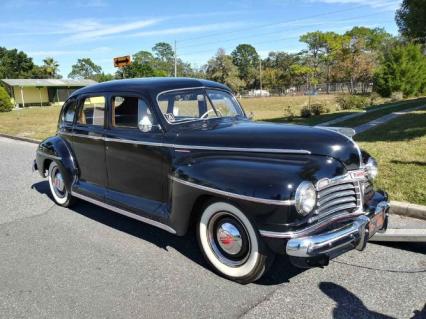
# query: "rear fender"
57,149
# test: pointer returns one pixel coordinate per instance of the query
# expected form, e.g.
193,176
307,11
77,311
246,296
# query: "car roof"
153,85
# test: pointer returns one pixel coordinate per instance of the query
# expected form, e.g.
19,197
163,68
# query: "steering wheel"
209,111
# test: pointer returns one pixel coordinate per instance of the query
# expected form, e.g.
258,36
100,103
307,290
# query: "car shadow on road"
281,271
348,305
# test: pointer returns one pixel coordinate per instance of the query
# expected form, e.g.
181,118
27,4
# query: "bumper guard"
324,246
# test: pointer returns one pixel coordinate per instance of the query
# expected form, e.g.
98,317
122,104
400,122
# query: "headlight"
306,197
371,168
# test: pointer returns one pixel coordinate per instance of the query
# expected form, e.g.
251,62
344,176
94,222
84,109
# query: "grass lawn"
35,122
400,148
274,108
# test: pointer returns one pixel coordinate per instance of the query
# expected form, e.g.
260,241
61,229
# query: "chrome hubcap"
59,182
229,238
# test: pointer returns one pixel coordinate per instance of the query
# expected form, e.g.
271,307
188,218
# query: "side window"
179,106
132,112
69,111
92,112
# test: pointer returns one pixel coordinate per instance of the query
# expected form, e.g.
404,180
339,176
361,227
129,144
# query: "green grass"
35,122
381,111
274,108
400,148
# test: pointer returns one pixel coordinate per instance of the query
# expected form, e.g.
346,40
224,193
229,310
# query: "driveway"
88,262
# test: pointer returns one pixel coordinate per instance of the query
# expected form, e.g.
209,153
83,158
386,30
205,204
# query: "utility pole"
175,61
260,75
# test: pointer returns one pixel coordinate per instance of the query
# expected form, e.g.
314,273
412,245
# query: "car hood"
247,134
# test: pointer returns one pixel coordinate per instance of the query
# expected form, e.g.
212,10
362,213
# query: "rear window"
68,112
92,111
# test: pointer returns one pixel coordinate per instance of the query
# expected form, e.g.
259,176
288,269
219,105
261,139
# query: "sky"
103,29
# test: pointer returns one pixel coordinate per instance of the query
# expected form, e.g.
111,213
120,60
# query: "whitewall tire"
57,186
230,243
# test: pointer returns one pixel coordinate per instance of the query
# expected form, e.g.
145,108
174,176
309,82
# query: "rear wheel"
230,243
57,186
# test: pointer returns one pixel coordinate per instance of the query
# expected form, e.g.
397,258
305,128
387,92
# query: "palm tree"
51,67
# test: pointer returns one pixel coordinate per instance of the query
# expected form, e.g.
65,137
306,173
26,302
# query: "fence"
323,88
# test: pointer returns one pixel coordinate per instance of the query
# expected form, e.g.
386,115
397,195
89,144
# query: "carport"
39,92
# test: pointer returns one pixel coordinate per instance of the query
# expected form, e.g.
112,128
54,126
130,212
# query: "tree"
5,102
143,57
277,69
316,49
15,64
246,58
411,20
85,69
163,51
221,69
402,69
357,56
103,77
164,59
51,68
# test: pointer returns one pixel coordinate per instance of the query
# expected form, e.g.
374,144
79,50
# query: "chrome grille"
338,195
367,190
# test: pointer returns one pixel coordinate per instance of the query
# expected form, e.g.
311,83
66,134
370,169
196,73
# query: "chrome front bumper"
332,243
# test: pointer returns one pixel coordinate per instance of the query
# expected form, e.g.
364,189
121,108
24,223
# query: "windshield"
197,104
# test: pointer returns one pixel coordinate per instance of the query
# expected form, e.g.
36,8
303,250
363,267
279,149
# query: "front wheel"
230,243
57,186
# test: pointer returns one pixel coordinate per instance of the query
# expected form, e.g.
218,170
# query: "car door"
89,146
135,156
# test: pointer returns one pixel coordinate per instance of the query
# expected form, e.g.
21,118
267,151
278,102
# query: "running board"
124,212
400,235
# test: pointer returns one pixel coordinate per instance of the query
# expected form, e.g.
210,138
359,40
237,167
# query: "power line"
261,34
253,43
272,24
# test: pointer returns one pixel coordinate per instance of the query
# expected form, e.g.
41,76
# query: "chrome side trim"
124,212
195,147
310,229
234,195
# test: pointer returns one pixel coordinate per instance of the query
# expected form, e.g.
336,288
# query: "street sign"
122,61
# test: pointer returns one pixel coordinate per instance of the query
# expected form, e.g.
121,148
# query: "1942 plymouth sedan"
179,153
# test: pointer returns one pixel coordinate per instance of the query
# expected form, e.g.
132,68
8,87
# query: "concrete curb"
407,209
24,139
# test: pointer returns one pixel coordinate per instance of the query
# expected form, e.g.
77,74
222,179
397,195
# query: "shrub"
289,112
401,69
5,102
317,109
305,111
374,97
347,102
397,96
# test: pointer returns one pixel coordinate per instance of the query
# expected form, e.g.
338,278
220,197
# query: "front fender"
244,179
57,149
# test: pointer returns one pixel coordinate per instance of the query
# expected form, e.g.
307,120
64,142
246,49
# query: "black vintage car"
177,153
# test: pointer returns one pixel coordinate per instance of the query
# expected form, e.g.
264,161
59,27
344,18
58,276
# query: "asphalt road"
88,262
